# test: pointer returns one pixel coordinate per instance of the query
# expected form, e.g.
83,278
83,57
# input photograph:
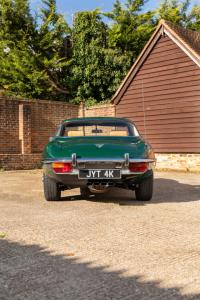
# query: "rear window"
80,129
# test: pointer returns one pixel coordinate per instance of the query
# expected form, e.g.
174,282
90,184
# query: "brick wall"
26,125
106,110
9,126
179,162
20,161
46,116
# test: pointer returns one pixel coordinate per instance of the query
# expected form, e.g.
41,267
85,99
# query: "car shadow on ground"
32,272
165,190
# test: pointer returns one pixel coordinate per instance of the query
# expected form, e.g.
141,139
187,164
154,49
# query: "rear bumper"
71,179
75,161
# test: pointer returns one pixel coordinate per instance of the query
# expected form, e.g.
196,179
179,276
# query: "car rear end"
120,159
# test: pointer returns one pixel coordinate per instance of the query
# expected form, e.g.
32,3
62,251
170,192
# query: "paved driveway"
109,247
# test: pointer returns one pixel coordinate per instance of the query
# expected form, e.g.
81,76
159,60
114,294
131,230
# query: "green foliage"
97,69
194,21
16,21
174,11
52,49
130,28
16,31
42,57
33,59
177,12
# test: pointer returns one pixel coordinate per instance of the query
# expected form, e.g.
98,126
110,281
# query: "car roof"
96,118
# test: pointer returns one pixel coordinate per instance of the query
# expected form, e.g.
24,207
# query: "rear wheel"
51,189
144,191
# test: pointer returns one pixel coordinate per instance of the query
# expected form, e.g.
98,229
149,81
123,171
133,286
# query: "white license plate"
99,174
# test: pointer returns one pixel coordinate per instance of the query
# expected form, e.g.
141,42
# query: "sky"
68,8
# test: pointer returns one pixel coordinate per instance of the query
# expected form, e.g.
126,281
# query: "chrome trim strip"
123,172
127,172
73,172
136,160
56,160
100,160
147,160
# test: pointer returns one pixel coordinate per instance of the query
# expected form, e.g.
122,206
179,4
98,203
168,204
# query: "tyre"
85,192
51,189
145,190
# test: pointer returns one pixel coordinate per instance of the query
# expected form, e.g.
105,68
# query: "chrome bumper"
74,161
123,163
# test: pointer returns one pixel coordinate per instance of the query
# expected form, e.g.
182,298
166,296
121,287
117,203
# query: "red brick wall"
106,110
26,125
9,126
20,161
38,121
46,116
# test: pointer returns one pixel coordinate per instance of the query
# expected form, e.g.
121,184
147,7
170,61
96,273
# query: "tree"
174,11
97,70
33,58
16,30
131,28
15,20
178,12
53,49
42,57
194,22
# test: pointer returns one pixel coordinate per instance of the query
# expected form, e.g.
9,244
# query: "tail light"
61,167
138,167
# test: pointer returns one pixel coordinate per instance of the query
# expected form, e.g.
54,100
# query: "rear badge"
99,145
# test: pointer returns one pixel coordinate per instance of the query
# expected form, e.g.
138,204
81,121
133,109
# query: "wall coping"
178,153
100,106
37,101
53,102
19,155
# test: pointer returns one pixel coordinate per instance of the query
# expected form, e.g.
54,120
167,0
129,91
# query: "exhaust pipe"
98,188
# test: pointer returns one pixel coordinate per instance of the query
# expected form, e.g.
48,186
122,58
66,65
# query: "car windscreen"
97,128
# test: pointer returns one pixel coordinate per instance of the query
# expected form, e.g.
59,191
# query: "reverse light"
61,167
138,167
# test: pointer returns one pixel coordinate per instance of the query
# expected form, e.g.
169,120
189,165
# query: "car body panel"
96,147
98,150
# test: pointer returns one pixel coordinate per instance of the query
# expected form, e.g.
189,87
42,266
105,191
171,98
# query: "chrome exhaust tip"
98,188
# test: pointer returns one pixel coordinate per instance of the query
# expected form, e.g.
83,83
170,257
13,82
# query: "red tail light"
60,167
138,167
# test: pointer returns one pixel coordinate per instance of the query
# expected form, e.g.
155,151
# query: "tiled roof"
190,37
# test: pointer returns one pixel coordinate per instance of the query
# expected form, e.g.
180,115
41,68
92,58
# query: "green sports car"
96,154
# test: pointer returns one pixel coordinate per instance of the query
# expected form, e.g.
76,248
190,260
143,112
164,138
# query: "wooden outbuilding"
161,92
